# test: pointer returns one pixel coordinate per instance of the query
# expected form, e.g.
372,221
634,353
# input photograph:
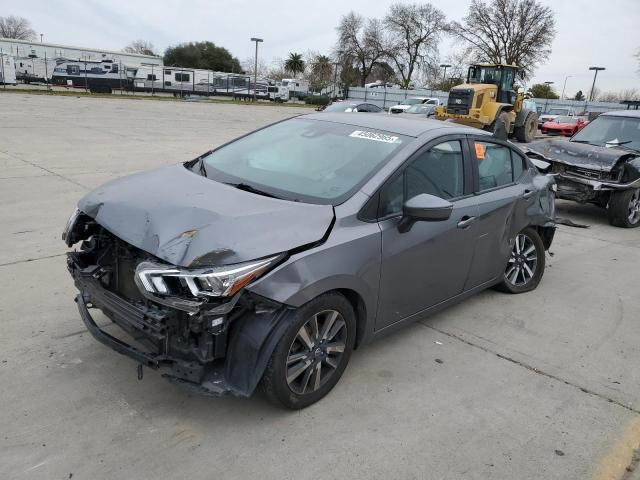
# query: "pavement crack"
31,259
33,164
531,368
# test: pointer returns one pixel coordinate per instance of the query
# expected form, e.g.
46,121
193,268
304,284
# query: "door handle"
528,194
466,221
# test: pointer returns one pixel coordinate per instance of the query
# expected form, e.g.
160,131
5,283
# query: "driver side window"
439,171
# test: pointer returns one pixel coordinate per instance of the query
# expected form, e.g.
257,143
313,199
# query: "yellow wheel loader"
488,101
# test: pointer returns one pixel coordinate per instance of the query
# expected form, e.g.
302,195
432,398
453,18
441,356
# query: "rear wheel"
313,353
624,208
527,131
526,263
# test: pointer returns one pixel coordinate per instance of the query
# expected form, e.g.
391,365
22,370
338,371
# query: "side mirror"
424,207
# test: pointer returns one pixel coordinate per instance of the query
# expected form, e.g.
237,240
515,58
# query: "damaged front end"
586,173
200,327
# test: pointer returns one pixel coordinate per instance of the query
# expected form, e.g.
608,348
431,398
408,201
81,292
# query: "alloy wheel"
522,262
316,351
634,207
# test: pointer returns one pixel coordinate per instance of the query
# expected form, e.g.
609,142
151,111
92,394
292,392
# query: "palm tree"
321,72
295,63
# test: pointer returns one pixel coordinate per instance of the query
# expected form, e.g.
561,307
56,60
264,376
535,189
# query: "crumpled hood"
579,154
189,220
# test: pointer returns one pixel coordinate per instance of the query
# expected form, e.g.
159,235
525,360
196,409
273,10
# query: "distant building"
23,48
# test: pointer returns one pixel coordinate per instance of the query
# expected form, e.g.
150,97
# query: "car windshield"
301,159
340,107
611,130
481,74
412,101
567,120
420,108
558,111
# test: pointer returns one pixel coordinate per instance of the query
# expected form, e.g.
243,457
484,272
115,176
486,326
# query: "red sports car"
567,126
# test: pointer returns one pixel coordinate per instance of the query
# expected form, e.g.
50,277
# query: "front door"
430,263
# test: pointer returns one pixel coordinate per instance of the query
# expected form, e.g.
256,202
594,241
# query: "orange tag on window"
479,151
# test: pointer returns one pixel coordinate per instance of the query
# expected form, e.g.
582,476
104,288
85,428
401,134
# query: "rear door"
429,263
504,190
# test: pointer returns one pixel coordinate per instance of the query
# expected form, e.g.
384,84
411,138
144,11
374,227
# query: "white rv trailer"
100,77
7,70
278,93
34,69
182,81
297,88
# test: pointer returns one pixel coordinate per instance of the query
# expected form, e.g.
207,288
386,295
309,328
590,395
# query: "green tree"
204,55
382,71
294,64
542,90
320,75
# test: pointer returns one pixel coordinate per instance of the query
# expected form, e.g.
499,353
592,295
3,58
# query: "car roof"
622,113
409,125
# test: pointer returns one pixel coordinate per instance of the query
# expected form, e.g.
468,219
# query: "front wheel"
526,263
527,131
313,352
624,208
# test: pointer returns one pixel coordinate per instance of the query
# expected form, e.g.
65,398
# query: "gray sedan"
270,259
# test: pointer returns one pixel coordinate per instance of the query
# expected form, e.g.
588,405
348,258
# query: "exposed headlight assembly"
66,234
187,289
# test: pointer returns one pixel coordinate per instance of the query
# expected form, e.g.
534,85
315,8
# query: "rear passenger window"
494,165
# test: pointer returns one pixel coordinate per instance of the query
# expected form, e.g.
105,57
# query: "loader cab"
502,76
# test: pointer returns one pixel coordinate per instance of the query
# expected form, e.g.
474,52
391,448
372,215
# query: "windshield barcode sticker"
378,137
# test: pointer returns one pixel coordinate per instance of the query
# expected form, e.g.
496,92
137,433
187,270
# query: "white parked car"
555,113
408,102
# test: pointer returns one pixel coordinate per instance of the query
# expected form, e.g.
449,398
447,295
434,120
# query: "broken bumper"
598,185
234,365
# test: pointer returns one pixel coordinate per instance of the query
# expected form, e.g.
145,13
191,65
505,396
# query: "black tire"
501,126
527,132
518,260
624,208
274,380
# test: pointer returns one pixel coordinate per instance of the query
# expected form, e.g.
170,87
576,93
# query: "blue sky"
590,32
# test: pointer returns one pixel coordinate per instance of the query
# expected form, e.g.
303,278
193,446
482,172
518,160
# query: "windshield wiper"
249,188
203,169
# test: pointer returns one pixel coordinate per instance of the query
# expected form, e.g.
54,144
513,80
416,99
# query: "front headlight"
165,281
69,227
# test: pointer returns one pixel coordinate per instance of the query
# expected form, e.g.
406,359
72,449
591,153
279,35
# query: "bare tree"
518,32
142,47
615,97
277,70
362,41
414,33
16,27
630,94
248,66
